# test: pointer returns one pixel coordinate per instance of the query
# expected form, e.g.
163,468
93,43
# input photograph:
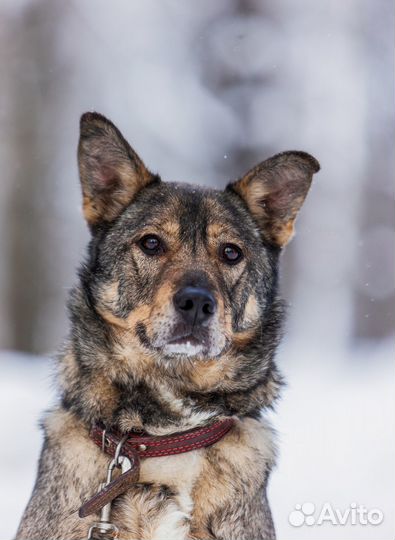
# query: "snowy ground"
336,437
337,440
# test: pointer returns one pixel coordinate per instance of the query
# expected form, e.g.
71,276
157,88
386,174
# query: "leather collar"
147,446
136,446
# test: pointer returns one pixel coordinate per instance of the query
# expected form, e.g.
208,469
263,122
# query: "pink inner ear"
279,201
284,199
105,177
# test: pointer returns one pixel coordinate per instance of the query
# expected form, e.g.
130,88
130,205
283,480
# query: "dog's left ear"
111,172
274,192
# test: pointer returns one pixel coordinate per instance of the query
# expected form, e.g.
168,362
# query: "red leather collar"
148,446
136,446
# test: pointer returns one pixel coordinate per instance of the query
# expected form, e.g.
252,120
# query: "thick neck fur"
106,376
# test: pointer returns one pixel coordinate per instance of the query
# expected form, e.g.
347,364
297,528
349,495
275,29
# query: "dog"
175,321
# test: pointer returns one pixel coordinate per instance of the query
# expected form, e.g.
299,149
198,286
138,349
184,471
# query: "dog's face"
186,272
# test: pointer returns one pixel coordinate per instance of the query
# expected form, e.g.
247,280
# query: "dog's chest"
161,504
178,472
175,494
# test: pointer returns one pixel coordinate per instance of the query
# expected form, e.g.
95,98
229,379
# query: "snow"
24,395
337,439
335,432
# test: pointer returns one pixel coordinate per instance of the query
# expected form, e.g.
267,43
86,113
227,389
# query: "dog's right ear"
111,172
274,192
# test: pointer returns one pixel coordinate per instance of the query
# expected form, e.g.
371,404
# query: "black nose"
195,304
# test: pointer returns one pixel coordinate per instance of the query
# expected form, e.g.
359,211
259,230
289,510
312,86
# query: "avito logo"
354,514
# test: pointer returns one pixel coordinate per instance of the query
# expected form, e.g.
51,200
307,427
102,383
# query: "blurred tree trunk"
374,316
328,79
239,65
28,223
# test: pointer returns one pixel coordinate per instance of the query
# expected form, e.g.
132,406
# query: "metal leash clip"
104,529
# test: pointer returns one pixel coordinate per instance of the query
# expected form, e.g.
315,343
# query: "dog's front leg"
242,519
245,517
69,472
229,495
151,512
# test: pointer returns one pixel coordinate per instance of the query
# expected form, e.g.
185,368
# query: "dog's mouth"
189,341
185,339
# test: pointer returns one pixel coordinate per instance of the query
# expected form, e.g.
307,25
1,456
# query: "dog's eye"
231,254
151,245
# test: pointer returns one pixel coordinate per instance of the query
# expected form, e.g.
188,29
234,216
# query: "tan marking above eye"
166,232
169,228
214,231
222,232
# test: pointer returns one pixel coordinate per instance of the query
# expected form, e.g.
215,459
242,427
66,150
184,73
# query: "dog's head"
186,272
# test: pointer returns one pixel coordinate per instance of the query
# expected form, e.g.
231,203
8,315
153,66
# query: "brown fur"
112,166
275,191
118,366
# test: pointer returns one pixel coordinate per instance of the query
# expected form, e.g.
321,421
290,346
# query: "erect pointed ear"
275,190
111,172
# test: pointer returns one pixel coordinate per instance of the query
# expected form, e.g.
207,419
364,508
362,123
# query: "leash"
126,452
